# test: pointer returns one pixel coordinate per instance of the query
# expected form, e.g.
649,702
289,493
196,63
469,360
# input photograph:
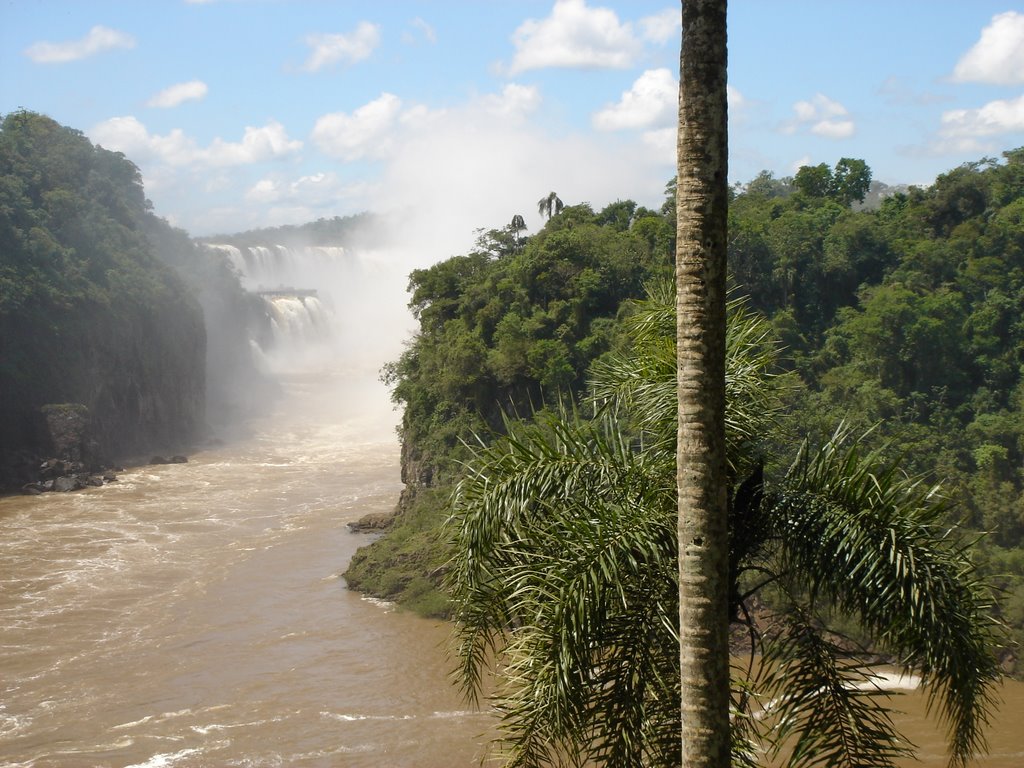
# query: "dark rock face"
177,459
67,430
99,325
375,522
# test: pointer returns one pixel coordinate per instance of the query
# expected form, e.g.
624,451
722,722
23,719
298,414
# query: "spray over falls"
324,305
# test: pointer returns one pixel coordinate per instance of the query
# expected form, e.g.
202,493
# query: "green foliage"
901,319
514,325
88,313
407,565
565,566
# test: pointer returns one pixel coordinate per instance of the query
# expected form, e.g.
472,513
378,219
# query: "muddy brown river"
194,615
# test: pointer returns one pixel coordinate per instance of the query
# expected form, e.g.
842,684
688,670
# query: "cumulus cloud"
998,57
362,133
98,39
996,117
193,90
310,191
129,135
577,36
350,48
258,144
822,116
662,27
514,102
652,101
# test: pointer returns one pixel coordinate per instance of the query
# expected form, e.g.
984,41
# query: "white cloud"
193,90
574,35
822,116
98,39
651,102
362,133
998,57
127,134
257,144
736,100
423,28
662,27
350,48
996,117
310,191
514,102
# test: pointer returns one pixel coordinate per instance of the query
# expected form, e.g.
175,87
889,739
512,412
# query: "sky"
455,115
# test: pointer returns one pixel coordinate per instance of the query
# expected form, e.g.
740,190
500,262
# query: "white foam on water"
387,605
348,718
166,759
891,681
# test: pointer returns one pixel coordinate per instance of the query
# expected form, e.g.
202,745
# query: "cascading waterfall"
324,304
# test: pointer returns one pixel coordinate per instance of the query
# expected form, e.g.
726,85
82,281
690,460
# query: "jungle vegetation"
900,320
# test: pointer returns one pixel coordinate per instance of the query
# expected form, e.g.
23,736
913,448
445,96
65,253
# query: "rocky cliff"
88,314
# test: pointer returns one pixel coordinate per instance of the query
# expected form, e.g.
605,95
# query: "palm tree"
517,225
550,205
703,538
565,578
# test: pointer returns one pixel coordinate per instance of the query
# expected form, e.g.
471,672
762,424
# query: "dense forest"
899,318
106,307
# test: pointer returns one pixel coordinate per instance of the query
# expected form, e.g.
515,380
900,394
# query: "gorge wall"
89,315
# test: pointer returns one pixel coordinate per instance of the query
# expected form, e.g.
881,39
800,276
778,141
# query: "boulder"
372,523
67,483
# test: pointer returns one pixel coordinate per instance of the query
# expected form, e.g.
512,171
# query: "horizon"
459,115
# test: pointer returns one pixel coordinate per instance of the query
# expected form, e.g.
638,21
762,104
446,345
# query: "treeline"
322,232
901,319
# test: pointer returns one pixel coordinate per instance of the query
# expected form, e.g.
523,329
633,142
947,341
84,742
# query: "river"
193,615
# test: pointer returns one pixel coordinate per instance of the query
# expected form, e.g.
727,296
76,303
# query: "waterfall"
324,304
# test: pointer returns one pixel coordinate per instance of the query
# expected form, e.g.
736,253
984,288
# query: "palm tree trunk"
702,200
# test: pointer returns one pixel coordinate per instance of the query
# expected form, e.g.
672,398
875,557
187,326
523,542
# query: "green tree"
814,180
550,205
565,578
851,181
702,198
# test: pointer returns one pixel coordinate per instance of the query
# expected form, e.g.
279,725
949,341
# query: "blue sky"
246,113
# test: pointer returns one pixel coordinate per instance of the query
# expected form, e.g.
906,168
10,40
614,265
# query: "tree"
814,180
851,181
701,243
517,225
565,577
550,205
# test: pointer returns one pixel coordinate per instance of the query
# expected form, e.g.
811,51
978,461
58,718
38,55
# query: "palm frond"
827,702
866,537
